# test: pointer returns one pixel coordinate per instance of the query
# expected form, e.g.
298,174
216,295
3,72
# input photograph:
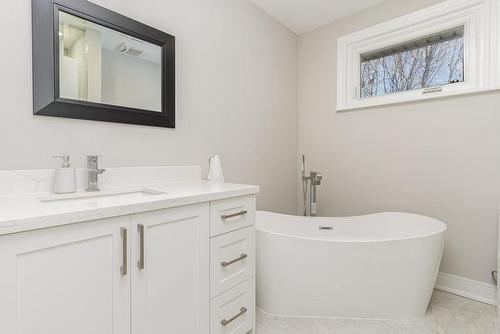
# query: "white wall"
236,95
439,158
131,82
78,52
93,42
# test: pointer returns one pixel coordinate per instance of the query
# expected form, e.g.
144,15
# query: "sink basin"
122,195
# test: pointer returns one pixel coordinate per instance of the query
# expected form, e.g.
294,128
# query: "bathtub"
380,266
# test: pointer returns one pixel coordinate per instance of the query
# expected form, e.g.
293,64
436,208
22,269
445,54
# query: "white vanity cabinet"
180,270
65,280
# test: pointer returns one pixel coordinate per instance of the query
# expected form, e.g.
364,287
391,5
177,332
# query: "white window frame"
480,19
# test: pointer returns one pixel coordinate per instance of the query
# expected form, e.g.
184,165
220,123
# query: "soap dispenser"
64,177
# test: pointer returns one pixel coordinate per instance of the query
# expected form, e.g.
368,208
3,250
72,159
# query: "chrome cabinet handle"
225,322
242,256
140,263
124,266
241,213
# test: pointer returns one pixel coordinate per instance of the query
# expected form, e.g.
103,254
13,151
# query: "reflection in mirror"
101,65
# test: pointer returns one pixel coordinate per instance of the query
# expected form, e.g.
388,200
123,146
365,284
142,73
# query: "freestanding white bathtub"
380,266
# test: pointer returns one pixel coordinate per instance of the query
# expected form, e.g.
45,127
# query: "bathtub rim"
443,227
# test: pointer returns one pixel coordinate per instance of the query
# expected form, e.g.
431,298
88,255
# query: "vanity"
157,250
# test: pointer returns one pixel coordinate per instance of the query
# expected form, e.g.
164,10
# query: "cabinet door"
170,281
65,280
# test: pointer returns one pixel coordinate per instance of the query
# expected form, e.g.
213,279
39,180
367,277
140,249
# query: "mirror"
101,65
92,63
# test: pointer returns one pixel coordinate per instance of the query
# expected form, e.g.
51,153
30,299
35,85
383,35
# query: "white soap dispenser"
64,177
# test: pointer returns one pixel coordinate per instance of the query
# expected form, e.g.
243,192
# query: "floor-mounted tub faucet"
315,180
309,183
93,172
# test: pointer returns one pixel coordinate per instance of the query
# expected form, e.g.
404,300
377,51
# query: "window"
443,50
429,62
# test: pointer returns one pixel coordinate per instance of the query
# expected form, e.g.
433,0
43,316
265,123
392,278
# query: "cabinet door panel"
170,295
233,312
65,280
231,214
229,248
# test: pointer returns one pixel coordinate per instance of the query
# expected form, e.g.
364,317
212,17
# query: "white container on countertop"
65,177
215,173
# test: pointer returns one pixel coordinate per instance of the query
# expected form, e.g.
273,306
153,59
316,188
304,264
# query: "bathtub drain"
329,228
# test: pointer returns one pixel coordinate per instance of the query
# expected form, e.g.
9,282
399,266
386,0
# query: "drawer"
232,259
231,214
233,312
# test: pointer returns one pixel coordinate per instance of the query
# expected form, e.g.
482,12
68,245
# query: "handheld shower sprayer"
303,165
304,185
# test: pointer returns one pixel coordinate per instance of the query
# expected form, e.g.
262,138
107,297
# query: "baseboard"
482,292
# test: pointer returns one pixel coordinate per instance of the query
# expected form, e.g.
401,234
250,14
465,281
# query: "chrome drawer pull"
124,266
225,322
241,213
140,263
225,264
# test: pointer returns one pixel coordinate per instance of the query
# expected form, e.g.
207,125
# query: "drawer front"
232,259
234,311
231,214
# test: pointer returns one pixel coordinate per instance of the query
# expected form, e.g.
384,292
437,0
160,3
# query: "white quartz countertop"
29,212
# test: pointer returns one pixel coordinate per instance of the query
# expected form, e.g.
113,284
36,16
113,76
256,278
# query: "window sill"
402,98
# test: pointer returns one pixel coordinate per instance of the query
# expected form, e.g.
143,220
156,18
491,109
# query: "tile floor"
447,314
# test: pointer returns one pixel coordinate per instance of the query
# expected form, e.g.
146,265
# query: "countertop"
27,212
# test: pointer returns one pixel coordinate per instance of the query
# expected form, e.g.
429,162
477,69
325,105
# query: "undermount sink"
101,195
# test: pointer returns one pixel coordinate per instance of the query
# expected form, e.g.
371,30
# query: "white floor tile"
447,314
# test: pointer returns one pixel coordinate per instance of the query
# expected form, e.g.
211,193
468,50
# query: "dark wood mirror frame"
46,99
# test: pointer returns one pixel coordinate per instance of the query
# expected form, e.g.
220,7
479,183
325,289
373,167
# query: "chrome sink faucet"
93,172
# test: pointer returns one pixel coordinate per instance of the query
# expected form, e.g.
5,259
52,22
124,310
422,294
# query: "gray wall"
439,158
236,96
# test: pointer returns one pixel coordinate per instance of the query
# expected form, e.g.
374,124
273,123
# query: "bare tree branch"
435,64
